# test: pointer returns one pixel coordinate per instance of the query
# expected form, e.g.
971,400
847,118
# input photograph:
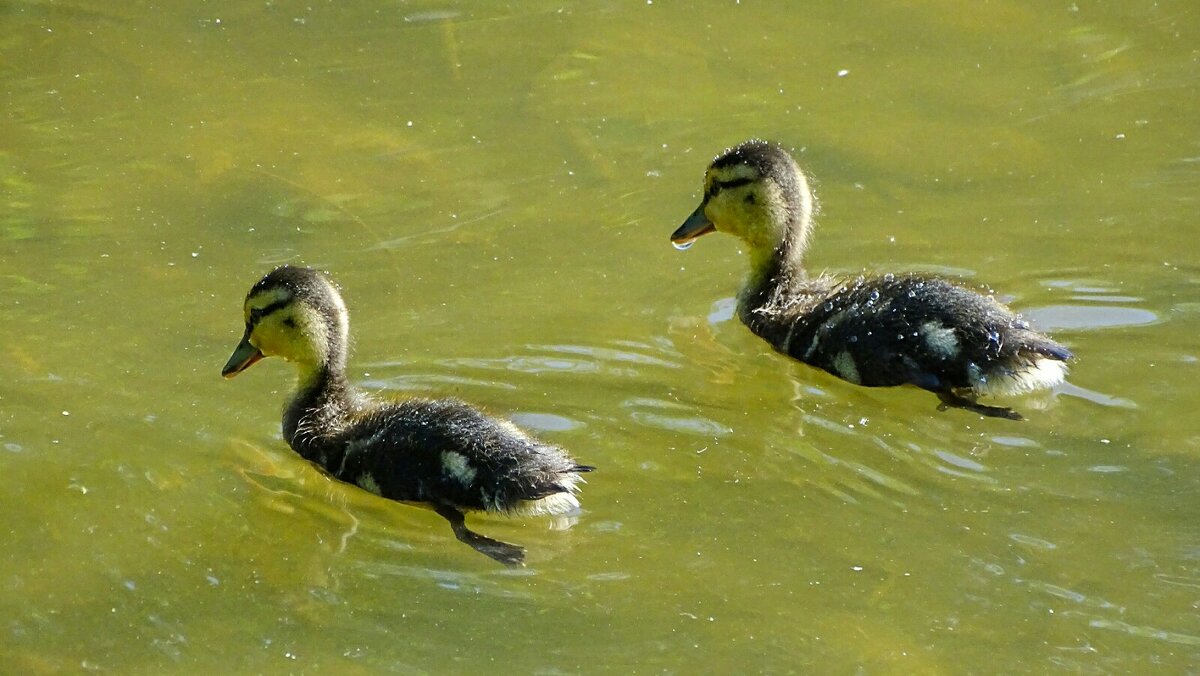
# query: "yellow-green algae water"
493,186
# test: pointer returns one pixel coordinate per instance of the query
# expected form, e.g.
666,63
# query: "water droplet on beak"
683,246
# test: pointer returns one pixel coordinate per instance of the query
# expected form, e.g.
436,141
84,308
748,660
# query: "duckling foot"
951,400
509,555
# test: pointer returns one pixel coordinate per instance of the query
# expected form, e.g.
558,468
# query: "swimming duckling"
873,331
442,453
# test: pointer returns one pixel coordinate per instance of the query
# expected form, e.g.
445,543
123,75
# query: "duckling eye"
718,186
257,313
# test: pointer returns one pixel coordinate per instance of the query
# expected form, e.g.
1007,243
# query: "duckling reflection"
873,331
442,453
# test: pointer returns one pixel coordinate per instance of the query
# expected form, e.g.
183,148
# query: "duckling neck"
776,275
318,410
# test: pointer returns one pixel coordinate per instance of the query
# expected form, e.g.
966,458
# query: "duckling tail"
1032,346
1051,349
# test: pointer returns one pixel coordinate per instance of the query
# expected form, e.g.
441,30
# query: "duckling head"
755,191
295,313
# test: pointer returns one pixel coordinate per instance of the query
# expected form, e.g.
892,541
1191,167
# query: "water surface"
493,187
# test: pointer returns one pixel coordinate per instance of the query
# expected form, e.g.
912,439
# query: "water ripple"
672,416
1146,632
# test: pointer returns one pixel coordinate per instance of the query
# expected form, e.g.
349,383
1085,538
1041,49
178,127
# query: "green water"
493,187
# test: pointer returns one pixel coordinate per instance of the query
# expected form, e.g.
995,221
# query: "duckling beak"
696,225
244,356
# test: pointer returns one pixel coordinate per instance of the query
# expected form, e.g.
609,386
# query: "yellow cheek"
726,217
716,214
269,342
274,339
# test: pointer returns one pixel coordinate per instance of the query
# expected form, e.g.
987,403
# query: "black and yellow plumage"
442,453
870,330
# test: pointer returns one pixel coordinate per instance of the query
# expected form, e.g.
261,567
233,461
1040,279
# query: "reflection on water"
1075,317
1095,397
546,422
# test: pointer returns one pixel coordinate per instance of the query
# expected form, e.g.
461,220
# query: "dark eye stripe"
718,186
257,314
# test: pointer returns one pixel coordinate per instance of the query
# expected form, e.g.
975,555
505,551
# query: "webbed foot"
951,400
509,555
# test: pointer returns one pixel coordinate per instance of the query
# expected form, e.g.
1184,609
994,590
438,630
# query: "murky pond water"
493,187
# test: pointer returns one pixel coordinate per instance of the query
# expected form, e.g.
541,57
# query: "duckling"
888,330
441,453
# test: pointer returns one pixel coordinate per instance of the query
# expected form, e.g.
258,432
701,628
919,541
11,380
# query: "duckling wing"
446,452
910,329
